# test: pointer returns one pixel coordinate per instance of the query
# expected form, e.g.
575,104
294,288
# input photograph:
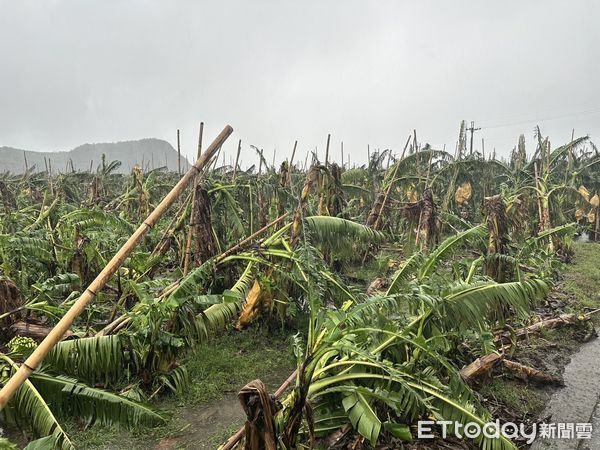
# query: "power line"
580,113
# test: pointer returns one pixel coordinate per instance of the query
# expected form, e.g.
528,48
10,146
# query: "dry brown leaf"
463,193
411,194
251,306
591,217
584,192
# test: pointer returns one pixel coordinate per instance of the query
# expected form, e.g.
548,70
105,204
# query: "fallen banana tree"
483,366
34,360
506,337
378,367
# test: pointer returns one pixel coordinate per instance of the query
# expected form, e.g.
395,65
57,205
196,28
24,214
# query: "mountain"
152,152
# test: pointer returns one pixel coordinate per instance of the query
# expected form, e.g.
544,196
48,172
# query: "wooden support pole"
178,154
327,150
389,189
417,162
293,153
237,158
291,164
254,235
200,133
34,360
483,148
260,163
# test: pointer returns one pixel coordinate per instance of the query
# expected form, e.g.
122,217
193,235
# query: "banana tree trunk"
497,224
206,247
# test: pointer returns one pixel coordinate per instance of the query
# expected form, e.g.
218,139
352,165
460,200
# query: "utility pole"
472,129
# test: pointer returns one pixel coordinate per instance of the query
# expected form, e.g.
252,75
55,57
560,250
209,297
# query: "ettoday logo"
510,430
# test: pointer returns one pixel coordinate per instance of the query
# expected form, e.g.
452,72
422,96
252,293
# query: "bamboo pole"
254,235
100,281
537,196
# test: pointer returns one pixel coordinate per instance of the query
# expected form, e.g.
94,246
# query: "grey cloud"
367,72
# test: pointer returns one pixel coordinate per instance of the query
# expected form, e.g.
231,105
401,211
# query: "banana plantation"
109,281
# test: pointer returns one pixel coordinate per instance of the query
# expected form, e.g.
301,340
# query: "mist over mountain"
149,153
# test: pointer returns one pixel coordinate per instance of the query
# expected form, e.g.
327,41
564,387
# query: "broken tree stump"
378,284
35,331
484,365
480,366
260,409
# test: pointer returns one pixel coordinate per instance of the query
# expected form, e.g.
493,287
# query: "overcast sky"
367,72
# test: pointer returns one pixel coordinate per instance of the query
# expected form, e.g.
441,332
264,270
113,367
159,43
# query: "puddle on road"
577,401
210,425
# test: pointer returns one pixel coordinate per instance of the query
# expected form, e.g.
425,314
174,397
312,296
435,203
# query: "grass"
233,359
521,399
582,278
379,266
217,368
550,350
